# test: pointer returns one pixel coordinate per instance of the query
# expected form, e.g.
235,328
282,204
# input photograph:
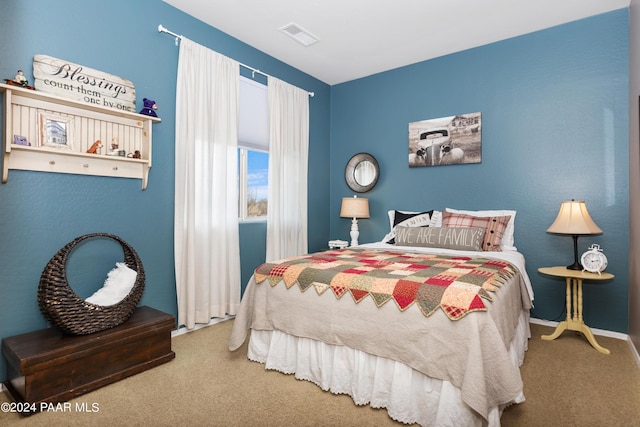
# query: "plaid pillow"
494,227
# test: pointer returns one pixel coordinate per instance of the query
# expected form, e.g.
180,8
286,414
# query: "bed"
442,349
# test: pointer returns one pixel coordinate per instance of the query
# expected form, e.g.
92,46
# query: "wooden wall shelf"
24,113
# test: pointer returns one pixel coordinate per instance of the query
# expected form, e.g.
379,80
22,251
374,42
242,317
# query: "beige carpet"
567,383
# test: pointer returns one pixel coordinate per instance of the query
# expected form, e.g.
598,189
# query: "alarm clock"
594,260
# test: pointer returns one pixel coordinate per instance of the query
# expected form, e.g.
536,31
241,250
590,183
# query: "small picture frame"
56,131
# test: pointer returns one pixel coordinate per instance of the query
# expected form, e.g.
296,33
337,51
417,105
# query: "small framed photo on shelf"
55,131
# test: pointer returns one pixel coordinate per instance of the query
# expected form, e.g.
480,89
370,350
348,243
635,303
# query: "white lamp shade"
354,207
573,218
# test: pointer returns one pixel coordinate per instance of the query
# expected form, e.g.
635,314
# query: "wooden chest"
49,366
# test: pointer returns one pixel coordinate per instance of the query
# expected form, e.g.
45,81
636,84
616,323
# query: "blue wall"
555,127
41,212
554,110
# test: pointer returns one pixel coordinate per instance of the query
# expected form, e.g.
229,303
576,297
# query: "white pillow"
118,285
507,243
436,219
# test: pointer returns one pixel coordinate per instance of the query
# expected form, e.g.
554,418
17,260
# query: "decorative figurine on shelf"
21,79
148,108
134,155
96,148
20,140
115,145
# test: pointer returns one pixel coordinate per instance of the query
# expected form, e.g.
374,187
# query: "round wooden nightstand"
574,322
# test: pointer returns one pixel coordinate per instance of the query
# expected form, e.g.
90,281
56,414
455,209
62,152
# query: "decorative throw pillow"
118,285
458,238
494,227
436,218
507,243
407,219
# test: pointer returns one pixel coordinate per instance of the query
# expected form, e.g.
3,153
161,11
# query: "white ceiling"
359,38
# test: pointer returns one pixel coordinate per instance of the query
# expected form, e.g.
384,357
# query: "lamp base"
574,266
354,232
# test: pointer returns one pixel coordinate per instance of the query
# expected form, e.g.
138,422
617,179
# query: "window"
254,172
253,150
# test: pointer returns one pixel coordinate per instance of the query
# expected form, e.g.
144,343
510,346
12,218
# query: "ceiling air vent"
299,34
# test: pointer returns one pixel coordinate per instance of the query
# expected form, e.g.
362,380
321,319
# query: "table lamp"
354,207
573,219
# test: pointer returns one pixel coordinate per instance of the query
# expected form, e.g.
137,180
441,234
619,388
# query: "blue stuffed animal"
148,108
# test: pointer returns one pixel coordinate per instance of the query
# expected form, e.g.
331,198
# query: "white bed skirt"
408,395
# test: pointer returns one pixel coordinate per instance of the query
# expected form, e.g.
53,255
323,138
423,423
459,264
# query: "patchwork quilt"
456,284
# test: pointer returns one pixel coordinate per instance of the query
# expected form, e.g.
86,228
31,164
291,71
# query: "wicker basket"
70,313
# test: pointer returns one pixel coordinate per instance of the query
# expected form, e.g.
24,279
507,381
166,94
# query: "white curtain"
288,163
207,250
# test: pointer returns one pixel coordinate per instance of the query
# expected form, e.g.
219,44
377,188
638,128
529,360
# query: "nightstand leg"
574,282
574,322
562,326
568,297
582,327
586,331
579,286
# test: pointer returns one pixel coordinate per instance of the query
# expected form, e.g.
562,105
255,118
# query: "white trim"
183,330
634,351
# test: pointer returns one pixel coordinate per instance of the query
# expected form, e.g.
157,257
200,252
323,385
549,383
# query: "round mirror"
362,172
